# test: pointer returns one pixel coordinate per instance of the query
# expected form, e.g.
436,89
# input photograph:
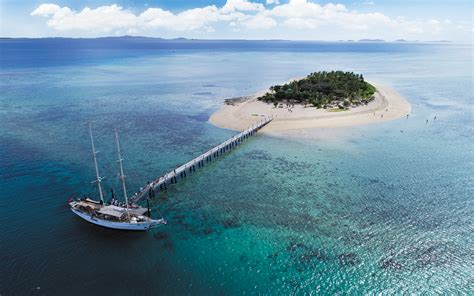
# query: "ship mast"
120,161
98,178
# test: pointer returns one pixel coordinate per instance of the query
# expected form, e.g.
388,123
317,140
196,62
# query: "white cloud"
46,9
106,19
241,5
260,22
193,19
115,19
296,19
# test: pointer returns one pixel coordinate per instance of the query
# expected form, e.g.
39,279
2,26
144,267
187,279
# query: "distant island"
323,90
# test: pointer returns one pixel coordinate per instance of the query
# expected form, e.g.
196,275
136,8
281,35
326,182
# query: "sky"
421,20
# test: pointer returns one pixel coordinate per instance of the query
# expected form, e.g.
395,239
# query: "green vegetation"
323,90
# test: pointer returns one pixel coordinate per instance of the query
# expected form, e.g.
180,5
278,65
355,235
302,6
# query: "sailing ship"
115,215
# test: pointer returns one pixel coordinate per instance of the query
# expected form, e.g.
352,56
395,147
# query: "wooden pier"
180,172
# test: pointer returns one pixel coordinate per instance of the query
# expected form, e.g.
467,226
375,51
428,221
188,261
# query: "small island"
323,90
330,99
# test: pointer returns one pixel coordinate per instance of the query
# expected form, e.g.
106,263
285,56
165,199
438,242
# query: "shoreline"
387,105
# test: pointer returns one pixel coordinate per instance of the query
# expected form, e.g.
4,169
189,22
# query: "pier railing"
180,172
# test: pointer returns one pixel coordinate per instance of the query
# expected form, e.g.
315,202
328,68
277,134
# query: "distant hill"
371,40
404,40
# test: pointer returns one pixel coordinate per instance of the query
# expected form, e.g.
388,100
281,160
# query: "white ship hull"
143,226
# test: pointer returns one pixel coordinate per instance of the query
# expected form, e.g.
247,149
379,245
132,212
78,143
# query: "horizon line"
368,40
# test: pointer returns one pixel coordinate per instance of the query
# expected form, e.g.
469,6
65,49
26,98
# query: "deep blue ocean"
385,208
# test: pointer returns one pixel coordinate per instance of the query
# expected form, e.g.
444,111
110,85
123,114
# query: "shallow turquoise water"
370,210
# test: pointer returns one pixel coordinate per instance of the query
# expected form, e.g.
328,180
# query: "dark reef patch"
293,246
348,259
391,264
201,117
312,255
208,230
273,256
231,222
189,227
303,257
160,235
430,256
203,93
168,245
258,155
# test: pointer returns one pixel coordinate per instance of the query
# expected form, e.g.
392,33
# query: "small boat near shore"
115,215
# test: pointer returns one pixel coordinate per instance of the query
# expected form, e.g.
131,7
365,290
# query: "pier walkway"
181,171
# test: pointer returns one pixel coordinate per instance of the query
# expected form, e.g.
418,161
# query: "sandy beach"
388,105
